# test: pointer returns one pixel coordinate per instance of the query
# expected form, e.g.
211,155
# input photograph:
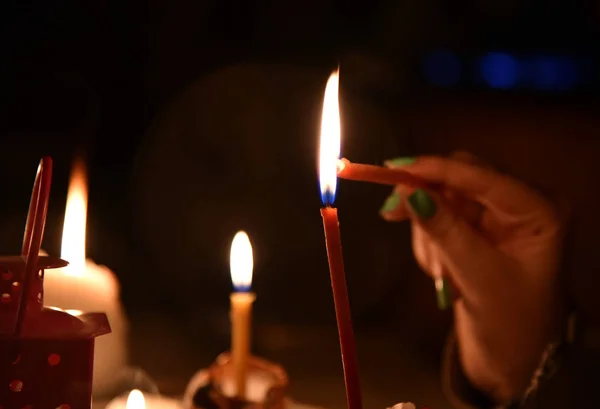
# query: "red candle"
376,174
329,154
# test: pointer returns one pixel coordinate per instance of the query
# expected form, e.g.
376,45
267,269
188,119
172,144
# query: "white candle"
84,286
137,400
241,264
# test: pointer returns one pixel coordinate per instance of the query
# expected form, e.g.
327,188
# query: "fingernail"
397,162
442,290
390,203
422,204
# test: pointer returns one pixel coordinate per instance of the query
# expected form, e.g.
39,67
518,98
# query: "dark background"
198,119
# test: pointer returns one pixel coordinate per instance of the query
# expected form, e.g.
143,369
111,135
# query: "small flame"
329,152
136,400
241,262
73,238
75,313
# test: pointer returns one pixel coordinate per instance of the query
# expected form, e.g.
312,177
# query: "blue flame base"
327,198
242,288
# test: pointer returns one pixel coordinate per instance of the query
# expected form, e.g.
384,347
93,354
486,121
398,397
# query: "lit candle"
328,158
241,264
137,400
84,286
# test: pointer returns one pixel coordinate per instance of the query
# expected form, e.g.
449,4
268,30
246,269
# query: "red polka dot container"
46,354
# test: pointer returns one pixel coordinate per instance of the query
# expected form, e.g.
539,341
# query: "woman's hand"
500,244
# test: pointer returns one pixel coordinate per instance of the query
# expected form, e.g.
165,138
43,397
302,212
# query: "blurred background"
200,118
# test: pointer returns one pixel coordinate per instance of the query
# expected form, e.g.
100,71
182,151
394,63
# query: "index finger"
493,189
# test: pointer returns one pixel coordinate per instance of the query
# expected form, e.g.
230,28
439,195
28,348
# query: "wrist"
499,359
462,394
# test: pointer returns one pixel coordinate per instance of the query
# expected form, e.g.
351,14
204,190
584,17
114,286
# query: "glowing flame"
75,313
329,151
136,400
73,238
241,262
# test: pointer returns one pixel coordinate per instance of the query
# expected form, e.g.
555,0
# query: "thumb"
462,250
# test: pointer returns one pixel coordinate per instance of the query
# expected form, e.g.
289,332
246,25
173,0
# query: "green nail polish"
391,203
402,161
422,204
443,292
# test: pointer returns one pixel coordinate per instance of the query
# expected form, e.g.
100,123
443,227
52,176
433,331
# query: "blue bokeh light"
554,73
500,70
442,68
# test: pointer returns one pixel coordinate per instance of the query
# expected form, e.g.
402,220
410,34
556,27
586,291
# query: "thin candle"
361,172
328,157
241,264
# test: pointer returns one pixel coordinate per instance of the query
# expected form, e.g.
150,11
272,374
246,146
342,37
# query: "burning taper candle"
328,158
241,264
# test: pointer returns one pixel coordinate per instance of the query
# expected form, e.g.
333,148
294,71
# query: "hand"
500,244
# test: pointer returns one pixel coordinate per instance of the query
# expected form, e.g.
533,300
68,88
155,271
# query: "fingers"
394,210
492,189
422,250
426,252
462,250
469,209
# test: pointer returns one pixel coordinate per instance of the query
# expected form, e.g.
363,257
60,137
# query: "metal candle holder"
208,388
46,354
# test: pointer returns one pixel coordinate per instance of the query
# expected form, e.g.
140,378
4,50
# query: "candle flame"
73,237
136,400
75,313
241,262
329,151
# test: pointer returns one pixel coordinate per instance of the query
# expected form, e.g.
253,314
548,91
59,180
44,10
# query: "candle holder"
214,387
46,354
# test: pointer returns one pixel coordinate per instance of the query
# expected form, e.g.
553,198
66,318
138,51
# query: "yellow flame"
73,237
329,151
75,313
241,261
136,400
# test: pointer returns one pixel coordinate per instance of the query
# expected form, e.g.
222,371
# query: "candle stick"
376,174
328,156
241,264
84,286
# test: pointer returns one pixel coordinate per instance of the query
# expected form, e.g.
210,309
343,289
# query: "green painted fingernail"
402,161
422,204
443,293
390,203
